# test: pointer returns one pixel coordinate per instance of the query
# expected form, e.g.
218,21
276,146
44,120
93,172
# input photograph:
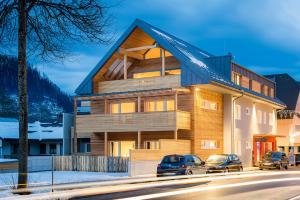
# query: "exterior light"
197,89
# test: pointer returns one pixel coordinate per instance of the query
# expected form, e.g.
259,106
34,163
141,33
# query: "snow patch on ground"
4,160
7,180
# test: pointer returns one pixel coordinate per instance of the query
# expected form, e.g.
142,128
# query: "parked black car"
180,165
223,163
274,160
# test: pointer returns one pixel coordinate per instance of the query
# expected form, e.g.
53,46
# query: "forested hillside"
46,100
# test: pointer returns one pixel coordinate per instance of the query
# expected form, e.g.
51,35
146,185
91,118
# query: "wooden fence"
90,163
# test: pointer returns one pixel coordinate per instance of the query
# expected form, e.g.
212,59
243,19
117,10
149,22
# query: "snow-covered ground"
7,160
7,180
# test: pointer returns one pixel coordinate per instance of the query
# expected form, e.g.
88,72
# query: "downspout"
233,120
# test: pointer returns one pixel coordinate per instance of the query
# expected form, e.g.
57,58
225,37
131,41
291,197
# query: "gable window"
205,104
122,107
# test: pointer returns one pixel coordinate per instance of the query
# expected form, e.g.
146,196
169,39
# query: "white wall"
247,125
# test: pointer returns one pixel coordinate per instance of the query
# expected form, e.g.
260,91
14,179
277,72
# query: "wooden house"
152,87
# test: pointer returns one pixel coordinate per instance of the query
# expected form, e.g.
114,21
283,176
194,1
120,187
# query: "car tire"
286,167
226,170
240,169
189,172
260,168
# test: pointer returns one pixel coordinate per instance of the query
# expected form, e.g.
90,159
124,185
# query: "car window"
189,159
173,159
235,158
197,160
230,158
216,159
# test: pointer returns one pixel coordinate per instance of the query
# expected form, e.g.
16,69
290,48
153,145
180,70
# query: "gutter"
233,120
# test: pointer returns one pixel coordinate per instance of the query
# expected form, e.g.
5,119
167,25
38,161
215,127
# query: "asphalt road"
283,186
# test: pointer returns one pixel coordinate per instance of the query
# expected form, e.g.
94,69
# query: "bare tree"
46,29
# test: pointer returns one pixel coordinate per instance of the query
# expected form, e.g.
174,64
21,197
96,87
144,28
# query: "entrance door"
120,148
262,145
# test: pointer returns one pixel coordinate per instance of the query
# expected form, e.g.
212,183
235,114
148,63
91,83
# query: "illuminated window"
146,74
160,105
151,144
128,107
173,72
209,144
170,105
237,78
115,108
123,107
150,106
209,105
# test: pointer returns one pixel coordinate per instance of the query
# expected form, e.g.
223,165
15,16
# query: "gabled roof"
287,89
198,66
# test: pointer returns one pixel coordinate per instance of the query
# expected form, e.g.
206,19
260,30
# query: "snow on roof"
36,131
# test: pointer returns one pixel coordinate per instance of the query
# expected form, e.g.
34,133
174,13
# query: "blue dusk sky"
262,35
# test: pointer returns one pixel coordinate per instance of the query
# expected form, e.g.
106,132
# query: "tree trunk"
22,100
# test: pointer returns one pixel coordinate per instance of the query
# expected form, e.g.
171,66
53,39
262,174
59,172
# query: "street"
264,185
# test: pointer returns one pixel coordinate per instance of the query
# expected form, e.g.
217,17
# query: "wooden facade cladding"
145,121
142,84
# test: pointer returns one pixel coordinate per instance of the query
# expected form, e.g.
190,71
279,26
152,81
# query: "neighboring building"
288,120
152,86
43,138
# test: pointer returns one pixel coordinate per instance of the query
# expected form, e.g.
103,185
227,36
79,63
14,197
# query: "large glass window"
156,105
128,107
160,105
115,108
123,107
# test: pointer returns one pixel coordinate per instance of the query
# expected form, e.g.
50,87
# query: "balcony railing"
129,85
144,121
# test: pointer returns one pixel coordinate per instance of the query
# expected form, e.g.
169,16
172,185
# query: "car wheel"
260,168
286,167
226,170
240,169
189,172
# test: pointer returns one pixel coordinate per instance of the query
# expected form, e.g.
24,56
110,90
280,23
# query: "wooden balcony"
141,84
131,122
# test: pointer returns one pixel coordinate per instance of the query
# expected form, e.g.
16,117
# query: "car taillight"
183,166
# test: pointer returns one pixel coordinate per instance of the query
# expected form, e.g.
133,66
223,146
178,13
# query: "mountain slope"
45,99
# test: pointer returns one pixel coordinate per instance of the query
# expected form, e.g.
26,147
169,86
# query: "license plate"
268,164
